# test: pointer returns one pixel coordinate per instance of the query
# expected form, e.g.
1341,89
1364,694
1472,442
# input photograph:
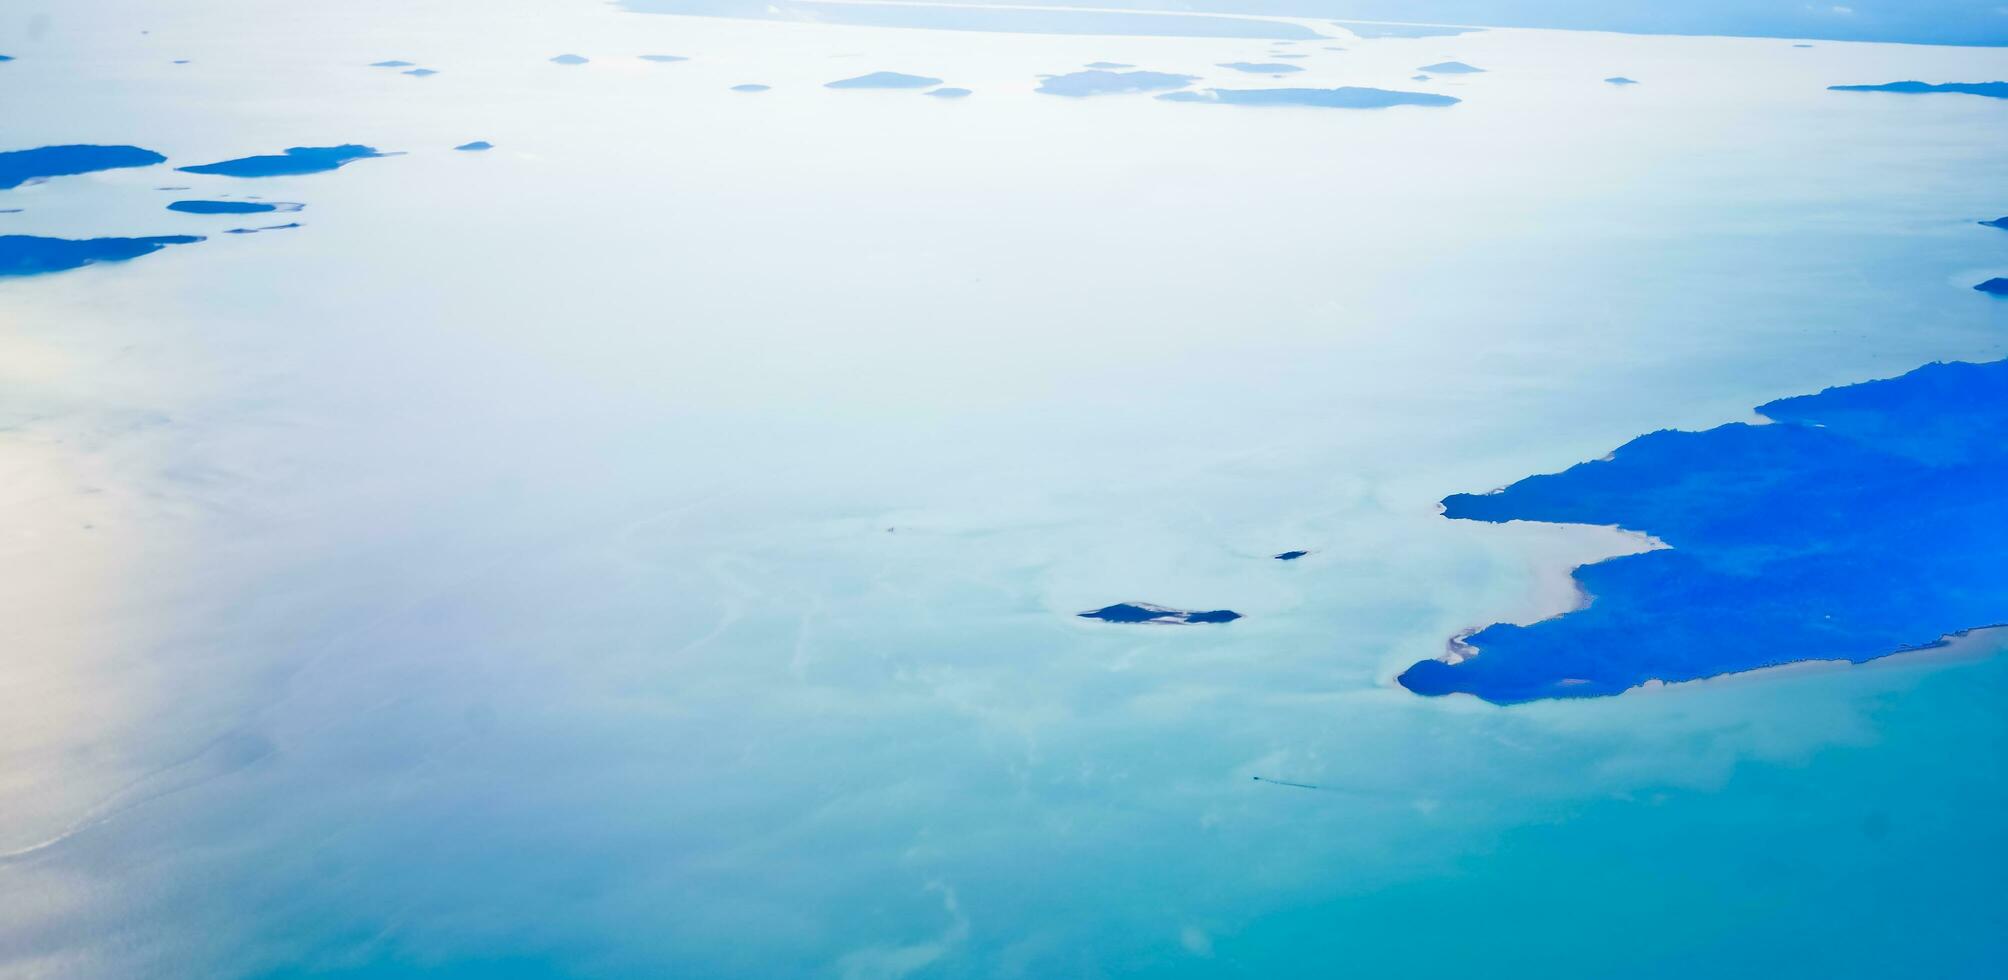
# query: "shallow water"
1343,97
653,546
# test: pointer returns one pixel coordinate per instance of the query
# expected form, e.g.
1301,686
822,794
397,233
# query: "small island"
1144,612
292,162
1081,84
34,255
233,207
885,79
1992,90
18,167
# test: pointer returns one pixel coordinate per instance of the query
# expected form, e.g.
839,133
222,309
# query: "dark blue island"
1864,521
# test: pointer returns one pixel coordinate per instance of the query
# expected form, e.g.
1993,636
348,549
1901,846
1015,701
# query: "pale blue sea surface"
652,547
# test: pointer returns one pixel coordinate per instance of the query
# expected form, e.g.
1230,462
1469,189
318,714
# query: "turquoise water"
653,546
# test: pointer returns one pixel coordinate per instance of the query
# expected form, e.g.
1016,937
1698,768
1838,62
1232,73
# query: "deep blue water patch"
1621,80
1992,90
1096,81
950,92
1144,612
232,207
885,79
1263,68
34,255
570,59
1996,286
663,58
1290,555
751,87
1864,521
476,146
295,160
17,167
1345,97
1451,68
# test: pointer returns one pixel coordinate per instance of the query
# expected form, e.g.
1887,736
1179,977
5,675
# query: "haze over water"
652,546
